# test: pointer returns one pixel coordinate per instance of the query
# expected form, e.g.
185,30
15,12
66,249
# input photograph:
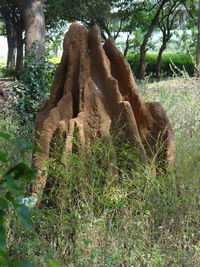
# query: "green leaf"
3,203
5,136
53,263
3,157
37,149
1,218
21,170
43,173
25,215
19,143
13,186
3,253
22,145
9,197
2,262
2,238
24,264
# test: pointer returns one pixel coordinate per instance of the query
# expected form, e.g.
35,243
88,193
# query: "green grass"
92,216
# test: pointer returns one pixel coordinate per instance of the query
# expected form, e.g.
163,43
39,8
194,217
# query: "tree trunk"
198,45
158,65
14,31
11,55
34,23
142,64
11,40
143,49
20,43
127,45
12,45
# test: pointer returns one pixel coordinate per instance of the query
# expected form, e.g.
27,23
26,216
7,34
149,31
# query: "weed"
100,211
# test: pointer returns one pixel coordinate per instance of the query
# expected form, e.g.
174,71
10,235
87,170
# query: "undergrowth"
100,211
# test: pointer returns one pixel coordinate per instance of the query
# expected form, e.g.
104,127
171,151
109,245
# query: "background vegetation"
172,64
137,26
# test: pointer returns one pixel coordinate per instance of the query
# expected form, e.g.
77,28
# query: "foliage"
185,40
36,82
54,37
2,68
8,73
2,27
181,60
87,12
54,60
13,182
109,15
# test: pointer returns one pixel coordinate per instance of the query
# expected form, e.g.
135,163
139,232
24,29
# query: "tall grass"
103,208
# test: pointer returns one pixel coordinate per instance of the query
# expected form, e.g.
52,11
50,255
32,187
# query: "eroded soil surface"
8,98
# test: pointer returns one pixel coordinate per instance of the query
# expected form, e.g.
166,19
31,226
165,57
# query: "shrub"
8,73
182,62
34,88
13,183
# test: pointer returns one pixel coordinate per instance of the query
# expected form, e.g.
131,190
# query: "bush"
36,80
173,63
10,73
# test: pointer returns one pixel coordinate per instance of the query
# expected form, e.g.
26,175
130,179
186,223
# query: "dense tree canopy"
138,20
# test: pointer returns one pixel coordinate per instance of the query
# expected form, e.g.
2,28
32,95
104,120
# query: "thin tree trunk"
142,64
127,45
20,43
158,65
11,40
143,49
198,45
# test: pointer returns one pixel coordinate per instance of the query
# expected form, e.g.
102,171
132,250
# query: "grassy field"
137,220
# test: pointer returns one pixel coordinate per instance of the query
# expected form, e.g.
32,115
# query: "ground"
7,97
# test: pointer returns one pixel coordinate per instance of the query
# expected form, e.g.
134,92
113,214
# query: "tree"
13,31
88,12
20,16
198,44
156,9
32,15
193,9
166,24
135,23
109,15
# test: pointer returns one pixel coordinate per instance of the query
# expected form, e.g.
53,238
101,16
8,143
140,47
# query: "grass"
138,220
